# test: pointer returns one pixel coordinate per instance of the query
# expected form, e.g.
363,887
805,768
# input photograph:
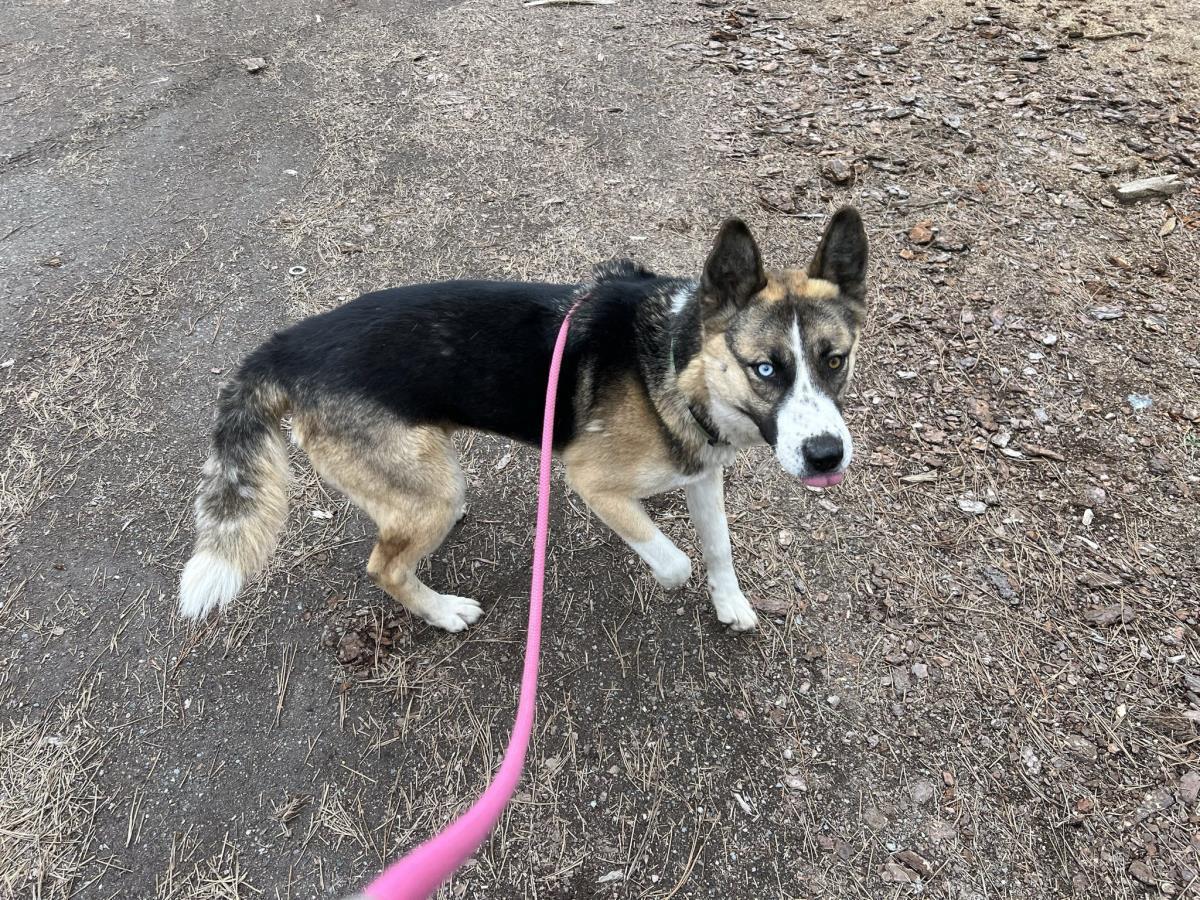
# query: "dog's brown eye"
835,362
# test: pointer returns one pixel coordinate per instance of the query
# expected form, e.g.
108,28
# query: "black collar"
705,424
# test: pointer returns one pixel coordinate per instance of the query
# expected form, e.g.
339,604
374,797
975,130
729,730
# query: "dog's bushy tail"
243,495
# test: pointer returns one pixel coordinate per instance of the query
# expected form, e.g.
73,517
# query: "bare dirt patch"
978,673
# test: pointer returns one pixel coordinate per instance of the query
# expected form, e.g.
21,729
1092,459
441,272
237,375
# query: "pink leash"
417,875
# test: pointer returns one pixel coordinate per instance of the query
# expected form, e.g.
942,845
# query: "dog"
663,380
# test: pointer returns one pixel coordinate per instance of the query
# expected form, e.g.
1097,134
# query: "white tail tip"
207,582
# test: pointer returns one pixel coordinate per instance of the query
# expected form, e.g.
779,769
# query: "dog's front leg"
706,504
626,516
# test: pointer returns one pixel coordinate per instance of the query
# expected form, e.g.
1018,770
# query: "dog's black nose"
823,453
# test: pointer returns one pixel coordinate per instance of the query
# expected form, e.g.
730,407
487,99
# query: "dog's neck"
683,317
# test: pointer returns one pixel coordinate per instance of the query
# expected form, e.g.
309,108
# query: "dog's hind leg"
407,479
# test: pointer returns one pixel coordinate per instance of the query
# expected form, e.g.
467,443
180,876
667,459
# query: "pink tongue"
823,481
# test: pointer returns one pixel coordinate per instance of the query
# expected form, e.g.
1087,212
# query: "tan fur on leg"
626,516
407,480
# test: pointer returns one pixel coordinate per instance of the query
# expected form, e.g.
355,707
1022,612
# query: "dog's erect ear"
733,272
841,256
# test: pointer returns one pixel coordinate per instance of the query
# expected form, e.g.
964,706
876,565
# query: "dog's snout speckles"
812,436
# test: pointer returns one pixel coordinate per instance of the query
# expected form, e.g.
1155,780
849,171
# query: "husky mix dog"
663,380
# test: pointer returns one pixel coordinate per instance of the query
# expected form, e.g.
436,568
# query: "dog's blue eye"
765,370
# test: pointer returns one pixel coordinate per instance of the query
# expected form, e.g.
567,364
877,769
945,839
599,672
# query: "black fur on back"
620,270
474,354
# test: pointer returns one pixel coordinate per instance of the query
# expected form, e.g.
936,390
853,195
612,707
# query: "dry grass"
216,876
48,802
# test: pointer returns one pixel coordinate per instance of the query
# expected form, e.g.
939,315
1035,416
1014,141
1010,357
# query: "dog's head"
777,347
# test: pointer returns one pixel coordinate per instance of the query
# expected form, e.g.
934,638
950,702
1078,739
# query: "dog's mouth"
823,481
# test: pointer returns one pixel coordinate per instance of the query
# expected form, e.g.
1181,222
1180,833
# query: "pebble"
1082,746
833,700
1142,872
1000,582
942,831
921,791
1156,801
972,507
1189,787
874,819
838,171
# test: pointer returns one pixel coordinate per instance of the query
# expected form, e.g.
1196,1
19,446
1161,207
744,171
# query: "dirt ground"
978,674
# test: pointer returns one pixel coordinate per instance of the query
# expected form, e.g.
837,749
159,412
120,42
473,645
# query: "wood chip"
915,861
1189,787
1110,35
921,233
1113,614
772,606
897,874
979,410
1148,188
1098,580
1043,452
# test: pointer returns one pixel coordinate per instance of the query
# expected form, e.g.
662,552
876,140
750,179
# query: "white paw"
453,613
734,610
674,571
